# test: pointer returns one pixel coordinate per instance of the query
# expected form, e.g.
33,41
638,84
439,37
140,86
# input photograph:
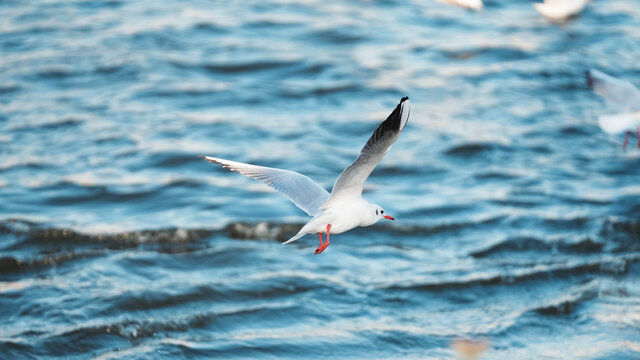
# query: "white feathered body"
560,9
343,214
619,123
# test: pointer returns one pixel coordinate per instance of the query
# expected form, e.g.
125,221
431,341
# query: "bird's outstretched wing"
614,90
302,191
351,180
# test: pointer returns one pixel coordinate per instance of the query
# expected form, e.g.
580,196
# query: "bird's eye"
381,211
376,211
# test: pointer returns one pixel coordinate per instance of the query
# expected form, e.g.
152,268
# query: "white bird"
560,10
621,93
469,4
343,209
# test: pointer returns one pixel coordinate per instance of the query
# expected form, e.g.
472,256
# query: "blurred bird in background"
560,10
621,93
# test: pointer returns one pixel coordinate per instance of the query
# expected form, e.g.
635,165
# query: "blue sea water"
517,217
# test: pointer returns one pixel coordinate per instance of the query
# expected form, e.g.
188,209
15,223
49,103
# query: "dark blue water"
517,218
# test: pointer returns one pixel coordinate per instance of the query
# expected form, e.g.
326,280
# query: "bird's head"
379,214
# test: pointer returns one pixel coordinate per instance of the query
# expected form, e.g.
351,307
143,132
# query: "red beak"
389,217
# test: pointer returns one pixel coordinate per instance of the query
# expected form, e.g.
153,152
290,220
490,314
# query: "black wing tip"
391,124
589,78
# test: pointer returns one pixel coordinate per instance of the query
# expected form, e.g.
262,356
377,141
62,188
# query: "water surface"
517,218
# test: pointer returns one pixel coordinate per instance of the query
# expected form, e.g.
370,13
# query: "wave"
488,54
55,72
473,149
630,227
339,35
136,329
33,232
61,245
320,89
149,300
608,264
181,89
520,244
133,329
566,304
228,291
10,264
9,88
231,67
263,230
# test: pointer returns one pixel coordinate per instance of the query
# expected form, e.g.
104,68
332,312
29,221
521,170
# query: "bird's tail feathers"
298,236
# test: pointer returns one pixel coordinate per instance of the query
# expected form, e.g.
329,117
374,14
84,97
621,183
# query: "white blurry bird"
343,209
621,93
560,10
469,4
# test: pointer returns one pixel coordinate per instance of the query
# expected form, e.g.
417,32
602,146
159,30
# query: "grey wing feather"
614,90
302,191
351,180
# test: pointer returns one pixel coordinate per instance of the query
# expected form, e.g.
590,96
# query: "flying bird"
621,93
560,10
469,4
344,208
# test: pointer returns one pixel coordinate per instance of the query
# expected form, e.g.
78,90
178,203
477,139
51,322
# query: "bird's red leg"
323,246
626,140
318,250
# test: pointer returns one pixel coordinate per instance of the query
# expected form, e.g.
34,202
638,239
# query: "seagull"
344,208
560,10
621,93
469,4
